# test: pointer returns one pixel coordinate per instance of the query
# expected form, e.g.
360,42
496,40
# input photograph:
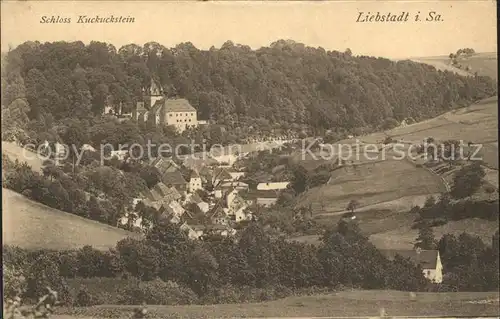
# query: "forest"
287,85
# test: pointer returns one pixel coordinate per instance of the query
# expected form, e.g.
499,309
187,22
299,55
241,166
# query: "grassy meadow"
32,225
370,184
341,304
482,63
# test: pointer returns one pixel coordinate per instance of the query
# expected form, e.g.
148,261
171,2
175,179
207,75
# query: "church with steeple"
158,110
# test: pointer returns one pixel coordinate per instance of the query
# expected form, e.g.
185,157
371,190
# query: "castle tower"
155,93
150,96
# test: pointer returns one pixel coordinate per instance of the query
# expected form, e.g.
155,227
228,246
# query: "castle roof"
173,105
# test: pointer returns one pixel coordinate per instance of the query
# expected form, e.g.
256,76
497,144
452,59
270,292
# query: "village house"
237,210
429,260
195,182
176,180
157,110
272,186
236,175
240,186
191,233
170,173
225,160
165,165
195,199
197,162
264,198
220,175
167,194
131,220
161,194
221,230
218,215
172,211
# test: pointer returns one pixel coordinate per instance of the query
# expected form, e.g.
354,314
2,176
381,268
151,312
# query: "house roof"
426,258
236,175
234,184
217,211
167,194
198,227
153,196
174,105
262,194
194,174
221,173
165,165
238,203
217,227
156,204
173,209
173,178
195,198
272,185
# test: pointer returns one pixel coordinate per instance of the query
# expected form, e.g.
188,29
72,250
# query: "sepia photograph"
249,159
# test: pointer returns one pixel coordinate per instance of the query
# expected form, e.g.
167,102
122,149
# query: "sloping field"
482,63
335,305
14,151
477,123
32,225
371,183
404,237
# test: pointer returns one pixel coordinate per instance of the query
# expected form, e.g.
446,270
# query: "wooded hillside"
284,85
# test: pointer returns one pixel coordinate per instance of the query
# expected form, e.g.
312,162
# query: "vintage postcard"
249,159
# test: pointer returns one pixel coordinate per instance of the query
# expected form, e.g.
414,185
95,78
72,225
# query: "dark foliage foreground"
167,268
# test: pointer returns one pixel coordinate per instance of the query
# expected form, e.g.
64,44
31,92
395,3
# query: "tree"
299,180
74,137
44,272
425,239
430,201
353,205
390,123
201,270
139,258
257,249
495,242
91,262
467,180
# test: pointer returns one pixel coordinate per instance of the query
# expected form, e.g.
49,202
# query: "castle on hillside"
158,110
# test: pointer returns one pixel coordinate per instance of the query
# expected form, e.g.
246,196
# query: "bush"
84,298
14,282
158,292
489,189
14,256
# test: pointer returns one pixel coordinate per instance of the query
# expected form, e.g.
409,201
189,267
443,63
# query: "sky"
329,24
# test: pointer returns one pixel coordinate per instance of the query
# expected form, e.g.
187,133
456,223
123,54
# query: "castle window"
189,120
170,114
